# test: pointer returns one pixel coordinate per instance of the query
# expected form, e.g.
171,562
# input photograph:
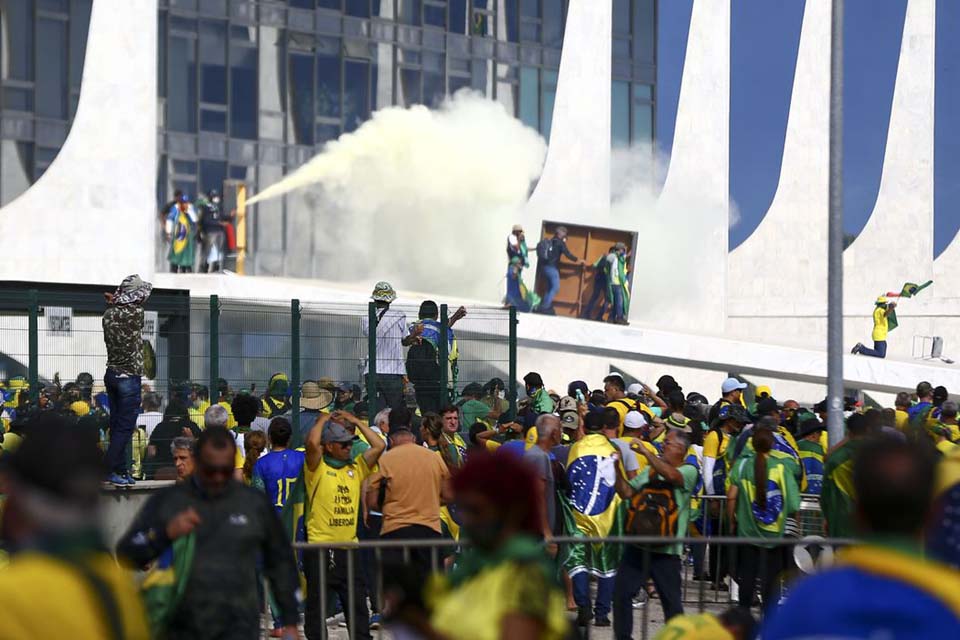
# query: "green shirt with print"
783,498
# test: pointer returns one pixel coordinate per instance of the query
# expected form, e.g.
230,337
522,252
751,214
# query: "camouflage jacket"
123,335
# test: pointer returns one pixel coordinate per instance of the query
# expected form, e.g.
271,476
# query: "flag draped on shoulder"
838,494
293,516
592,508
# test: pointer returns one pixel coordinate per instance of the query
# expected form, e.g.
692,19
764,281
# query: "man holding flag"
592,510
882,313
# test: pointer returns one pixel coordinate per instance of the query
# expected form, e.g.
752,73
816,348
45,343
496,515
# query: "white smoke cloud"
422,198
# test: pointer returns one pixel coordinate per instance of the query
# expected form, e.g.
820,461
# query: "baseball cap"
569,419
533,379
635,389
732,384
566,404
517,228
763,390
731,412
634,420
344,386
333,432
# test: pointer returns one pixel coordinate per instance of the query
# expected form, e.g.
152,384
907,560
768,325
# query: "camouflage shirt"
123,335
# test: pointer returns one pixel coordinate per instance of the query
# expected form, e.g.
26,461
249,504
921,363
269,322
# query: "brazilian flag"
293,517
911,289
837,495
165,583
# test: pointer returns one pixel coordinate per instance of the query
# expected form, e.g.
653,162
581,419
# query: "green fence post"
214,348
443,357
295,363
33,347
372,400
512,345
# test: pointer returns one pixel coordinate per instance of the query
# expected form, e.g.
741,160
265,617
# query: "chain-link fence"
209,350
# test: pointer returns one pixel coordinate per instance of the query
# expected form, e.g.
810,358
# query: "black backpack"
422,363
546,251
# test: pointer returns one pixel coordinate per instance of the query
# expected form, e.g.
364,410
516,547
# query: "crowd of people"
516,500
188,224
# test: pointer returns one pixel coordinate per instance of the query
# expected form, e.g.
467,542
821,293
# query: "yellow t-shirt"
635,444
335,500
945,447
902,419
28,583
713,447
623,406
880,324
702,626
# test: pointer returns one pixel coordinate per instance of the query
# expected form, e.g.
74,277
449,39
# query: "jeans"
552,274
428,396
315,627
599,295
421,559
765,564
879,349
636,567
124,396
581,593
617,314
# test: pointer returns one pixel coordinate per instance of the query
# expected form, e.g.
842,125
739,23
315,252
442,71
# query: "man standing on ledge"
123,335
881,325
548,260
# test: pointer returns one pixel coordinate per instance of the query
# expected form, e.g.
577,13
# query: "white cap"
635,389
634,420
731,384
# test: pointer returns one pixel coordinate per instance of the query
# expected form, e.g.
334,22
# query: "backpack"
653,511
546,251
422,363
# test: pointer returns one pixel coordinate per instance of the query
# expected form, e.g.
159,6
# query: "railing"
695,594
210,349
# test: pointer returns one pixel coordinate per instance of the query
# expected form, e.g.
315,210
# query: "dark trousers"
616,315
581,593
420,557
315,626
428,397
124,396
879,349
389,390
635,569
599,295
369,569
719,561
765,564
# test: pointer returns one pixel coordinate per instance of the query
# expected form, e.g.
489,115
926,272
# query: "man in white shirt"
392,336
151,416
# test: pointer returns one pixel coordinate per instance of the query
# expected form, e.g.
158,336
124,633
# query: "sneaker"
640,600
118,480
584,615
129,478
603,621
375,621
856,349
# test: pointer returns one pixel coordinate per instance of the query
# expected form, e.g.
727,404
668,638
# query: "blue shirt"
276,473
852,604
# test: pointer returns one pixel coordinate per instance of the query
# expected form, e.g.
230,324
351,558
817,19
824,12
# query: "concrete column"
96,201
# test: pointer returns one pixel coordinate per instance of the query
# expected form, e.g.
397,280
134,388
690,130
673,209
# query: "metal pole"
372,400
443,357
835,234
33,347
512,383
295,364
214,348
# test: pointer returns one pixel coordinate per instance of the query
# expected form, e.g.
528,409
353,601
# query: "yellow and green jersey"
783,498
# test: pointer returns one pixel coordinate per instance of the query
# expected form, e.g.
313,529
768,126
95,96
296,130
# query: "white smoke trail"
423,198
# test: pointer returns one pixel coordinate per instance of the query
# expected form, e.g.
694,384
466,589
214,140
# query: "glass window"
238,172
530,31
357,8
17,34
309,4
620,113
356,93
243,92
553,23
621,17
17,169
509,22
161,56
327,132
481,76
642,92
17,99
328,86
530,97
409,89
182,85
458,16
79,26
212,175
435,15
213,62
456,83
59,6
642,122
507,81
213,120
549,89
433,88
408,12
51,87
530,8
644,31
621,48
300,100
